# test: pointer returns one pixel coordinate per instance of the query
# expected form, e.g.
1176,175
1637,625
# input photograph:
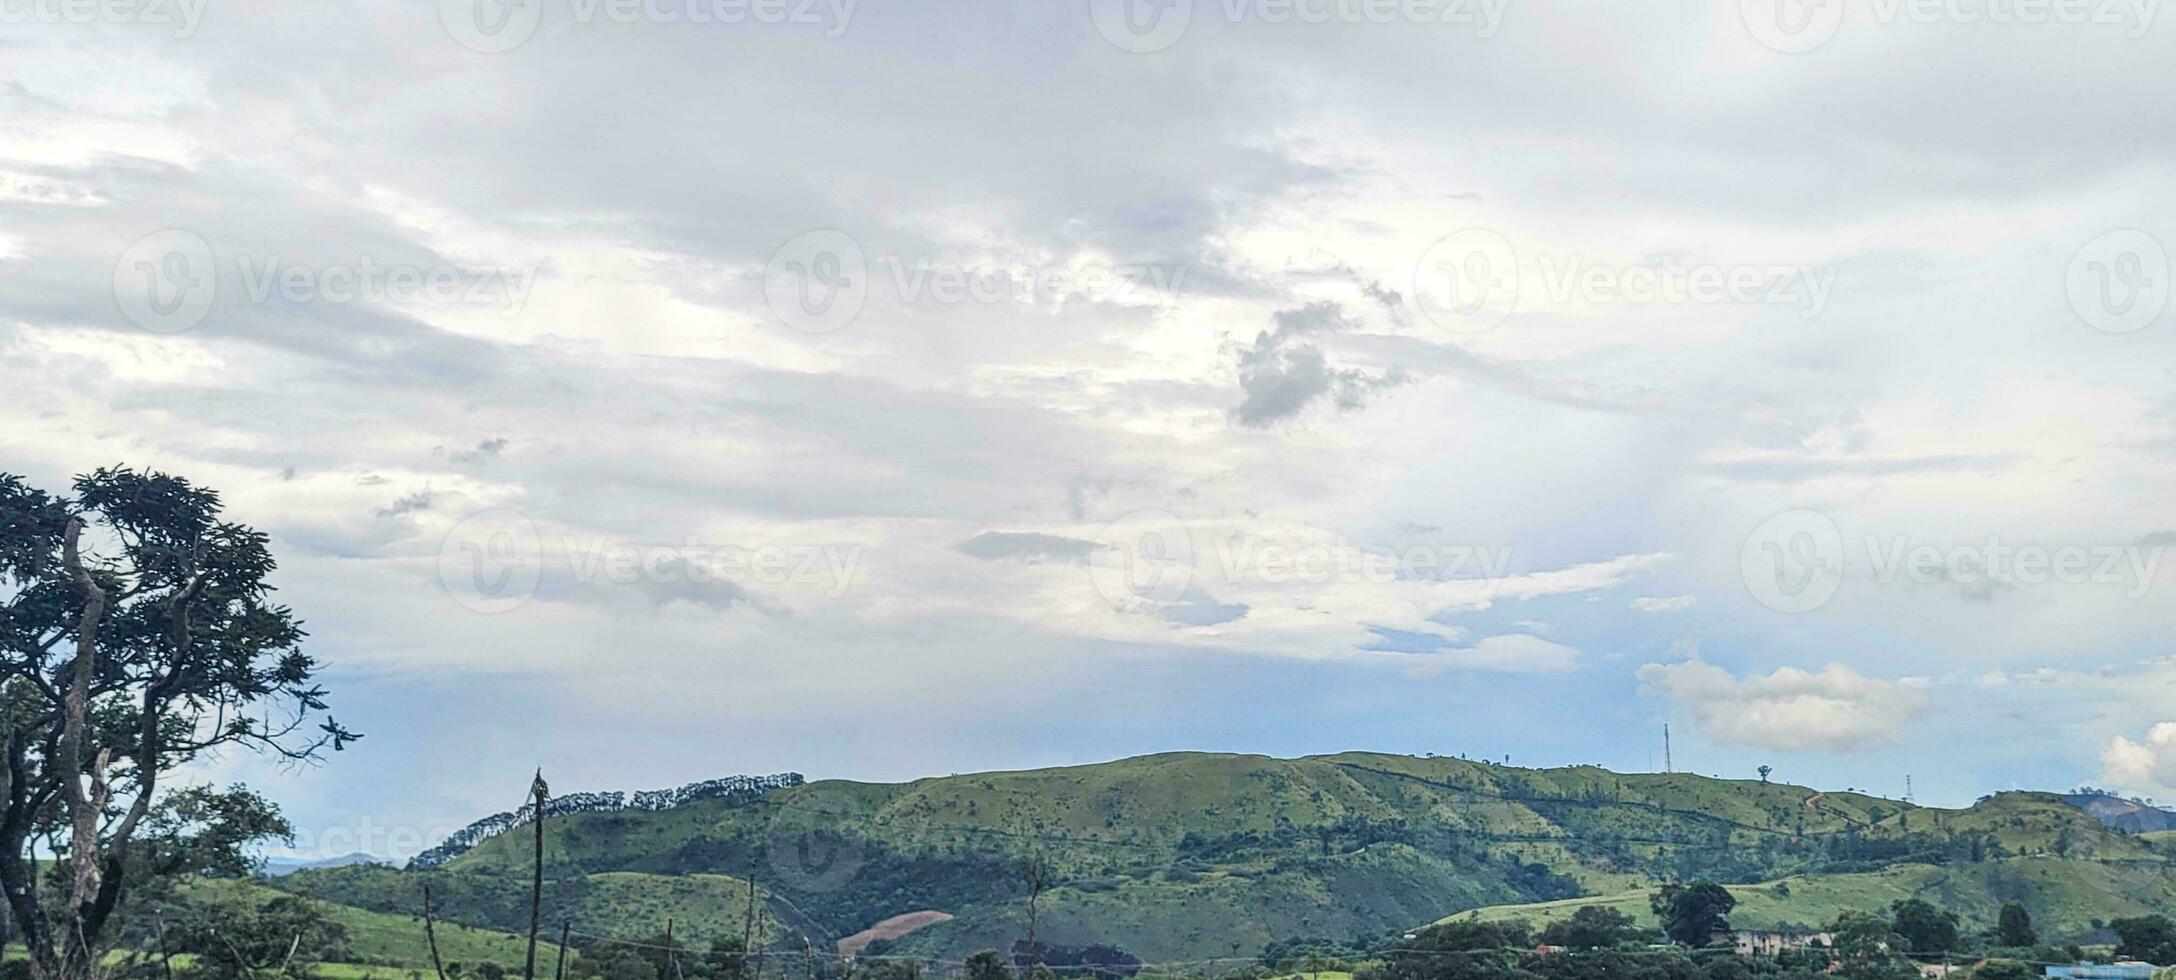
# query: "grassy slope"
1191,854
397,941
703,907
2103,877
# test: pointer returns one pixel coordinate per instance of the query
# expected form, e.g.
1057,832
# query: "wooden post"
748,924
761,939
166,959
539,793
431,933
672,952
561,972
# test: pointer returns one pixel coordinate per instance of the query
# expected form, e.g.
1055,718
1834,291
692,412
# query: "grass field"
2064,896
391,944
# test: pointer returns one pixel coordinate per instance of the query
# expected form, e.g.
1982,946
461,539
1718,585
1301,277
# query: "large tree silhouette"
136,634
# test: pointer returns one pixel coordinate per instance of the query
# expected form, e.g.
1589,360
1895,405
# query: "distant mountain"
275,867
2131,816
1194,855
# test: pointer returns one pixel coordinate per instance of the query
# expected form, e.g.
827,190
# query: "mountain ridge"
1216,854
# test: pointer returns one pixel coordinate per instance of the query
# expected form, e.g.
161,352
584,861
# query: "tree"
1590,927
136,634
233,937
2151,938
988,965
2005,970
1693,914
2014,926
1764,771
727,959
1869,948
1925,929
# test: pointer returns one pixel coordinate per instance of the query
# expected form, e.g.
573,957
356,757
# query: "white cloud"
1508,653
2148,767
1662,604
1837,709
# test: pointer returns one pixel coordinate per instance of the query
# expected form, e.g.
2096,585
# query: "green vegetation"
368,939
1191,855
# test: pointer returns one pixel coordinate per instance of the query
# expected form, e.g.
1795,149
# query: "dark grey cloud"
1282,374
407,504
482,452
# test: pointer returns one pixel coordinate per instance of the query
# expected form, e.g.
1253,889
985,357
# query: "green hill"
1190,855
2064,896
389,944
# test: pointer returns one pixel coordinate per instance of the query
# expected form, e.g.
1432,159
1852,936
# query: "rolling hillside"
1189,855
393,941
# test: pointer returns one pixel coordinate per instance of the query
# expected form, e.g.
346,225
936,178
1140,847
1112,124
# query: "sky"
650,392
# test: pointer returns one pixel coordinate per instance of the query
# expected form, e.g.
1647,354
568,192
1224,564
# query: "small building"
1769,942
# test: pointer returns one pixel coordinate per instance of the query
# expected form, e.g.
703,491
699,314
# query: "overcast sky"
651,392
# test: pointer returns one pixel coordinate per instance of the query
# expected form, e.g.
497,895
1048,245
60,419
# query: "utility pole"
538,793
1668,764
1908,788
430,932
